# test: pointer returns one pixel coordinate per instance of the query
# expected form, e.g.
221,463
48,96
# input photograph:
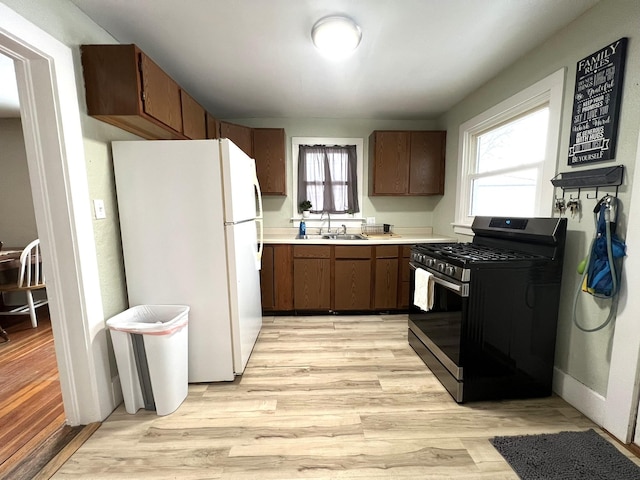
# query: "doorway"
50,113
28,363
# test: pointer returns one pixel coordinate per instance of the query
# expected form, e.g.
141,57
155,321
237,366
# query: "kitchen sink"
343,236
333,236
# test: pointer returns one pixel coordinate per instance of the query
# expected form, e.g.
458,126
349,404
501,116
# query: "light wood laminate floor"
336,397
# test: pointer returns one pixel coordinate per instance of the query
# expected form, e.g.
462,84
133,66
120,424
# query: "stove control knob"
441,266
430,262
450,270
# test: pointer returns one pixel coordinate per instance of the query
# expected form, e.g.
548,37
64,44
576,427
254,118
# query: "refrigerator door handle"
256,185
259,221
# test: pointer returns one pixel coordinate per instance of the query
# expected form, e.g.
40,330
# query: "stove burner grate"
472,252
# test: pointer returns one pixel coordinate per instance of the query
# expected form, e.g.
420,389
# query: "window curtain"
327,177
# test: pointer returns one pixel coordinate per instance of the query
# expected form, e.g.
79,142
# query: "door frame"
623,389
54,146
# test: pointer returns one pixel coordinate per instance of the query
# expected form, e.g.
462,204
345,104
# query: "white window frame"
295,149
548,91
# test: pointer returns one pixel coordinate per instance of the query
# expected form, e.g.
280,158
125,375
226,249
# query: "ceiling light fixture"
336,36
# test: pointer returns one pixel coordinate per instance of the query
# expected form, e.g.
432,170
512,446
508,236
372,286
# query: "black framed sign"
596,104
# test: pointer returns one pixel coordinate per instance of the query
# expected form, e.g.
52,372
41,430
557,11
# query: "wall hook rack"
594,178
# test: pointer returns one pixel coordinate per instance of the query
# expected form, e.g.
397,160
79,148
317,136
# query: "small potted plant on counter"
305,207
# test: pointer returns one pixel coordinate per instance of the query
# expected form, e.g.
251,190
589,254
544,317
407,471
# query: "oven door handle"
462,289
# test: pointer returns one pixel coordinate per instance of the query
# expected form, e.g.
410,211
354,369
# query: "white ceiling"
254,58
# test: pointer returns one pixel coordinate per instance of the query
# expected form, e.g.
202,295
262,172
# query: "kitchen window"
328,172
508,156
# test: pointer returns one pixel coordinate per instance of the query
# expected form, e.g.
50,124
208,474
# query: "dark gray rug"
565,456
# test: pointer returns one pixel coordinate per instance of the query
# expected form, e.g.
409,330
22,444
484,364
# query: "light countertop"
399,235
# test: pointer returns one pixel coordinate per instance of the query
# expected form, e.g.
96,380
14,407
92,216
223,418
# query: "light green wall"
398,211
584,356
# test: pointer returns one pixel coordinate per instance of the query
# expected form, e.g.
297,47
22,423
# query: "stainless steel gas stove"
491,331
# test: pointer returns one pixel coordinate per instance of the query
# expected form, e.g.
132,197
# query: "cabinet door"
113,82
390,165
386,283
283,277
312,283
238,134
405,272
267,289
213,126
269,153
193,119
427,163
160,94
352,284
276,278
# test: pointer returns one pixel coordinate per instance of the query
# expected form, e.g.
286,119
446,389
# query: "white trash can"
150,343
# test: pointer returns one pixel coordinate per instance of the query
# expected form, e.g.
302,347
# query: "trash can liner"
151,320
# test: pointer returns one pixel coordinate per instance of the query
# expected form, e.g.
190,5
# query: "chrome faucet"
329,218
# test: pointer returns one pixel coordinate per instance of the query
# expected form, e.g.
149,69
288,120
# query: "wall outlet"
371,220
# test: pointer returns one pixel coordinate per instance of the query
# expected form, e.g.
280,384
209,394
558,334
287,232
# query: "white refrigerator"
191,225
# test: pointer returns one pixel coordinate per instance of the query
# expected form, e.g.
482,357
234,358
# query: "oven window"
442,325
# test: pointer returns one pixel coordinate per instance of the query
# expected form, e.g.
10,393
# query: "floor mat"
565,455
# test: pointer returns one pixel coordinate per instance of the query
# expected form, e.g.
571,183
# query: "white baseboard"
579,396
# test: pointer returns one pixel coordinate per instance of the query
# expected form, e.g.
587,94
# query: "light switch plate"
98,208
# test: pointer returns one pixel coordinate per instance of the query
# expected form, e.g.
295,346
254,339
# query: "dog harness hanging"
601,277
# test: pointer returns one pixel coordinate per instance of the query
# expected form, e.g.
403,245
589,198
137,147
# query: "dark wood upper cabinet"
406,163
213,126
238,134
160,94
426,163
269,154
127,89
389,153
193,118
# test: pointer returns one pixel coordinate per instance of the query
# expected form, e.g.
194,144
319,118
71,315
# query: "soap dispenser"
302,231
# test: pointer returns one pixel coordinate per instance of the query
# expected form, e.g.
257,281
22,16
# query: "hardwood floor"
322,397
30,399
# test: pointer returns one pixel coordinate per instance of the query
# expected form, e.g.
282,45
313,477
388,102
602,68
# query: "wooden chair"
30,277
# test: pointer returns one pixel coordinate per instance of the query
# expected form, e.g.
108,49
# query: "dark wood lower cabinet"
312,284
352,278
405,290
276,278
311,277
341,278
386,277
267,289
352,285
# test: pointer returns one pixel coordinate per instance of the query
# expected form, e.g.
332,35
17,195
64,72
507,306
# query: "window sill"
462,229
